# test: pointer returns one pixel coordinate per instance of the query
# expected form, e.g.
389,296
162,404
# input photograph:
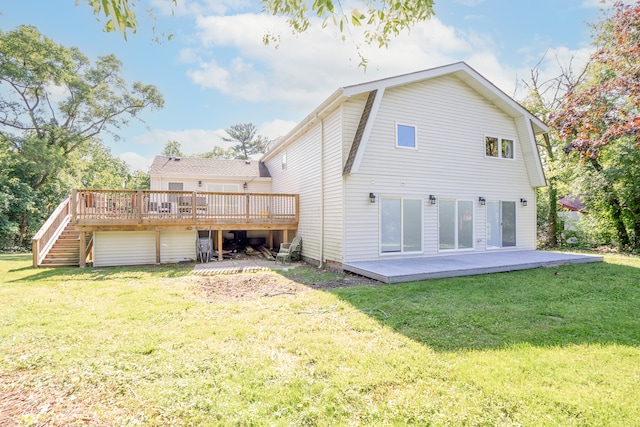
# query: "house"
431,163
423,164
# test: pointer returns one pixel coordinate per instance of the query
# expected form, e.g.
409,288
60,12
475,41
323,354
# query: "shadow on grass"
103,273
573,304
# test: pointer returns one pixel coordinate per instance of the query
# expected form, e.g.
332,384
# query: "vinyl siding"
451,121
112,248
302,176
257,185
333,187
177,246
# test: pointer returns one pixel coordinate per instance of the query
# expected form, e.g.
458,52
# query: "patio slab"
422,268
232,266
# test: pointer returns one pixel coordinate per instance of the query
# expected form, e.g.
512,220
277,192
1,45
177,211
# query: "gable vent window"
498,147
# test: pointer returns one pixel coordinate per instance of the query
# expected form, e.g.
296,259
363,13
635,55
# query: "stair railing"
49,232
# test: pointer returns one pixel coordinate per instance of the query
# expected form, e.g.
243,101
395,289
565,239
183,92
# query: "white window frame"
401,251
456,229
499,148
284,160
415,136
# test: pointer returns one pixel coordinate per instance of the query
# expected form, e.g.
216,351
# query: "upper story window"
405,136
284,160
498,147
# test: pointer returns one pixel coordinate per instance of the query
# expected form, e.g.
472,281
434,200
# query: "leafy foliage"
172,149
53,107
600,120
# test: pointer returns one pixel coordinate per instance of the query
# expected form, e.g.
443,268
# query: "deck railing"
48,233
100,207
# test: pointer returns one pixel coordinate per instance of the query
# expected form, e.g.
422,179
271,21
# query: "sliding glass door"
400,225
501,224
455,224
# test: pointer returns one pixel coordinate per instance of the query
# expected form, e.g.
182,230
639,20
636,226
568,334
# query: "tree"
248,143
172,149
543,99
383,19
218,153
601,116
53,104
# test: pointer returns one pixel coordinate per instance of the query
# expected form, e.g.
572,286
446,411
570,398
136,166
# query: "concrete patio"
421,268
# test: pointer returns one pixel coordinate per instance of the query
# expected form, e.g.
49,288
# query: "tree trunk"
623,236
552,229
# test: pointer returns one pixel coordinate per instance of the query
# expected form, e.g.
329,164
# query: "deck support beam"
220,245
157,246
83,250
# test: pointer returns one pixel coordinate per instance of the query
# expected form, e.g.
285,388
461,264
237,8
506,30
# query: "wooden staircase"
65,251
57,243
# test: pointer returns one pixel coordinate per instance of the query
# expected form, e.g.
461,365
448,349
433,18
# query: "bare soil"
246,287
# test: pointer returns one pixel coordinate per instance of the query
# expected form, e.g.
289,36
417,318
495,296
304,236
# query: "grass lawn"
159,346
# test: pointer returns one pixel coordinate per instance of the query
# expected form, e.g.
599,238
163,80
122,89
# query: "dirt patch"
251,286
21,405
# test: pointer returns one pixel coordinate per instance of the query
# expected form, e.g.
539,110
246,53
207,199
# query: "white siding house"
424,164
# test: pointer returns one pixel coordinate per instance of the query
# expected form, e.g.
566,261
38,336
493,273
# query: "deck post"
270,239
83,250
220,245
35,251
74,206
140,205
193,206
246,210
157,246
285,236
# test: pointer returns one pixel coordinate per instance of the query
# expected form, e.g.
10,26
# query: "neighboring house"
423,164
203,174
430,163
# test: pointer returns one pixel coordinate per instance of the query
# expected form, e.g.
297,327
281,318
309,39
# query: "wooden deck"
136,210
146,209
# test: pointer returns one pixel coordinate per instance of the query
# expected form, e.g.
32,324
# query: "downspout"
321,194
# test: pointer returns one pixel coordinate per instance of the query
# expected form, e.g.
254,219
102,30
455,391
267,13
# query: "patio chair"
289,251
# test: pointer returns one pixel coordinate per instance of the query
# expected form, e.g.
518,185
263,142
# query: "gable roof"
460,70
198,167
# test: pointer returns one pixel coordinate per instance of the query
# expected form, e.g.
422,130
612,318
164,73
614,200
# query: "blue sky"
216,72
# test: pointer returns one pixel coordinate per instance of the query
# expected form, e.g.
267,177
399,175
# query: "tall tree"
544,98
603,113
218,153
247,141
172,149
53,103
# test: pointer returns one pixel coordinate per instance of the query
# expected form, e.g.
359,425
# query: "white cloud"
307,68
136,161
276,128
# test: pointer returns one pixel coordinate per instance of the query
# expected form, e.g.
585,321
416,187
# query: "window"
176,186
284,160
455,224
405,136
400,225
498,147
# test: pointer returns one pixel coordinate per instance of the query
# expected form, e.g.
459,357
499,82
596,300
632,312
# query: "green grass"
143,346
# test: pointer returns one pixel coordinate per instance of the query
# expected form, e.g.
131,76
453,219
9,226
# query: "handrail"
181,207
50,230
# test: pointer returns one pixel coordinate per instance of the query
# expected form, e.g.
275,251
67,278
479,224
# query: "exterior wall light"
199,183
372,198
245,185
482,201
432,199
523,202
